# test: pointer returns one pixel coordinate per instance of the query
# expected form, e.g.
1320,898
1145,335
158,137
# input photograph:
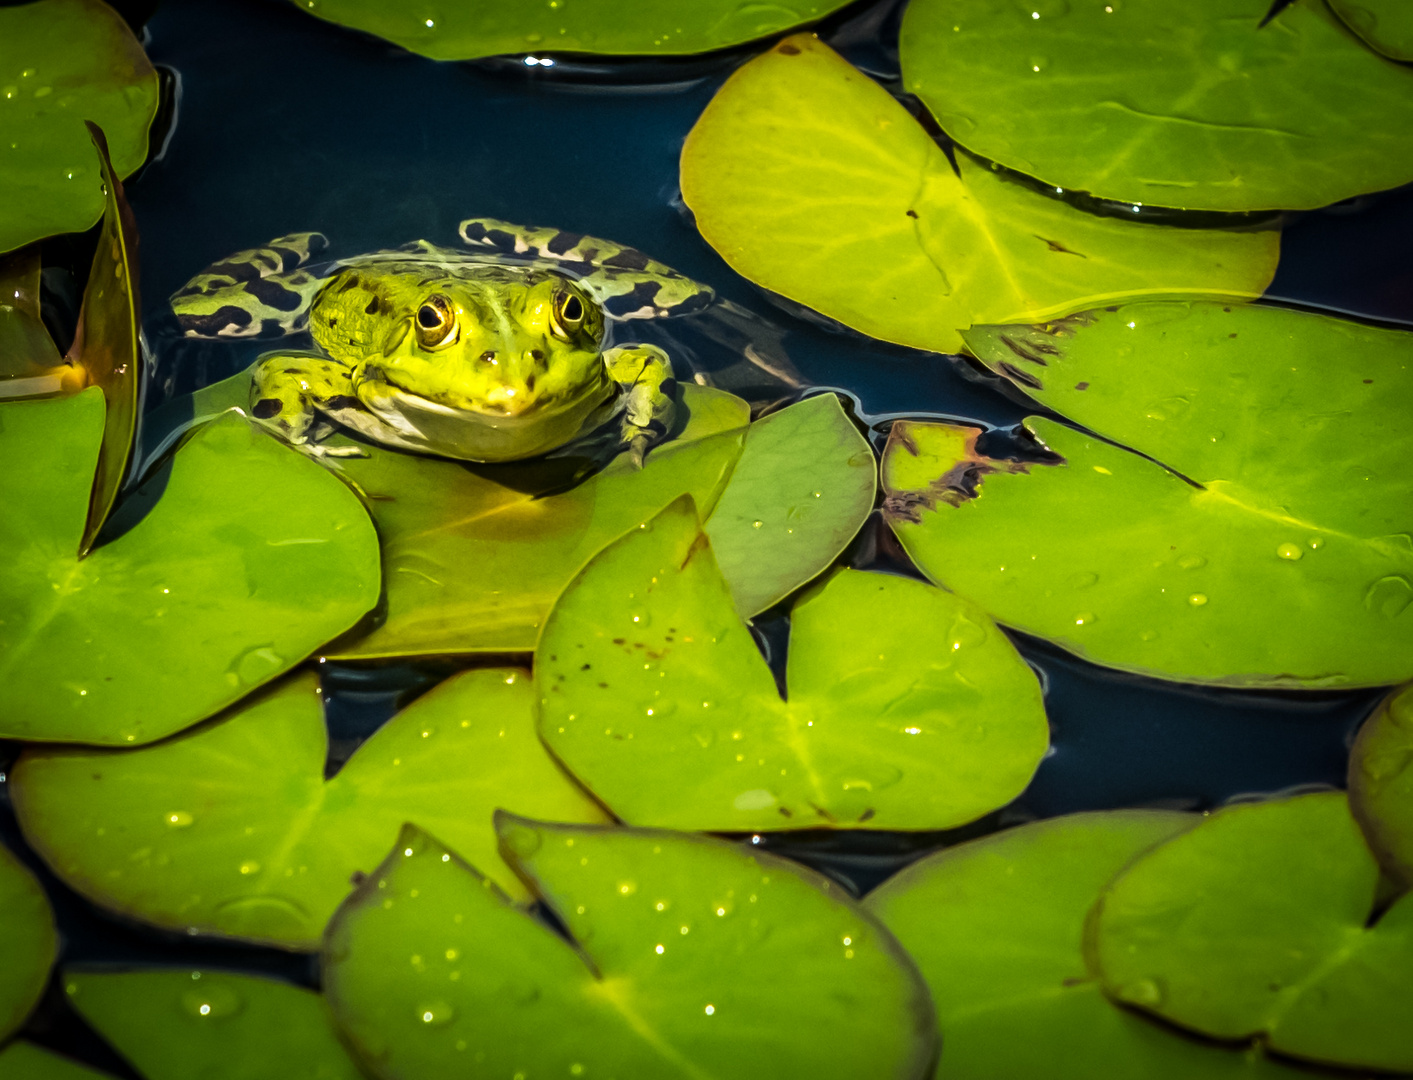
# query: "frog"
495,352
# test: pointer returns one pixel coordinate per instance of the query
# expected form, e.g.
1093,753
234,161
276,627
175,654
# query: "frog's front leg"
644,375
288,391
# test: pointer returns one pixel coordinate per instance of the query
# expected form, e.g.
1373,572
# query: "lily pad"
1032,887
28,943
812,181
107,346
29,362
1381,784
466,29
63,62
688,957
1255,923
1385,25
907,708
25,1061
251,557
803,487
216,1025
1205,105
232,829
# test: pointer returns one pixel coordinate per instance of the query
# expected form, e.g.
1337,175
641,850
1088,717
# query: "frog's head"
495,364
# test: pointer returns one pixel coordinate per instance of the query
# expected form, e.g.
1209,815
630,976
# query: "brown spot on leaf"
912,214
1055,245
1081,386
789,50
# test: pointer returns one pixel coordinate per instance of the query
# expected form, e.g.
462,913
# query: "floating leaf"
688,957
232,829
466,29
107,346
1203,105
216,1025
1289,524
1254,924
907,708
29,362
439,519
811,180
1381,783
24,1061
250,558
1386,25
63,62
28,942
803,487
1031,888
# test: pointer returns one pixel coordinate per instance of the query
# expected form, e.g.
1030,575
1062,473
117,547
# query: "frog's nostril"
530,383
489,356
536,355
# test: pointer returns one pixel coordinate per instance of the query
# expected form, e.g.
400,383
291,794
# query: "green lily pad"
63,62
216,1025
24,1061
849,207
28,943
804,486
232,829
688,957
29,362
106,344
466,29
1381,784
251,557
1385,25
1118,560
1202,105
1254,923
1031,888
907,708
436,518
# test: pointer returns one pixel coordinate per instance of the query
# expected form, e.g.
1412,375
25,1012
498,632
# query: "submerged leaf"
1202,105
688,958
63,62
107,345
466,29
1385,25
997,927
231,828
907,709
215,1025
28,942
811,180
1255,923
251,557
1381,784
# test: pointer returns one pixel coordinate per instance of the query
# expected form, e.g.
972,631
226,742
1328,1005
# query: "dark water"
286,124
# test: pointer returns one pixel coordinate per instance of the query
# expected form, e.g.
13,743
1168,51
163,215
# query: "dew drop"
757,524
1389,596
178,819
1192,562
250,866
755,799
1289,551
1316,543
1039,63
436,1013
965,633
212,1002
704,737
1197,599
256,665
1084,619
1143,992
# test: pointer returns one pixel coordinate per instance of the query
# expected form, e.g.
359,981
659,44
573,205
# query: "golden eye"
436,325
570,314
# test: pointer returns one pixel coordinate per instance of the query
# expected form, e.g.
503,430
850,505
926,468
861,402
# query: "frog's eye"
570,314
436,325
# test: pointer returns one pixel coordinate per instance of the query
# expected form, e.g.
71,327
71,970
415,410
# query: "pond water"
284,124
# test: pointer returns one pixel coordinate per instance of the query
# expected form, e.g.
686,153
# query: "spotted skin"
378,376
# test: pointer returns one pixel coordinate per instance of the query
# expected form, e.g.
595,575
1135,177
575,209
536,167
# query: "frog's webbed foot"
290,391
644,374
256,293
626,283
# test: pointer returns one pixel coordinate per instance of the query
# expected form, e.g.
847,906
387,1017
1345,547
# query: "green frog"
491,354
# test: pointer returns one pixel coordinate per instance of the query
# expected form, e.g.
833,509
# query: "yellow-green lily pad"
63,62
29,361
215,1025
1202,105
1385,25
1381,783
28,942
232,829
23,1060
687,957
466,29
1257,923
997,927
812,181
251,557
907,708
1265,504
